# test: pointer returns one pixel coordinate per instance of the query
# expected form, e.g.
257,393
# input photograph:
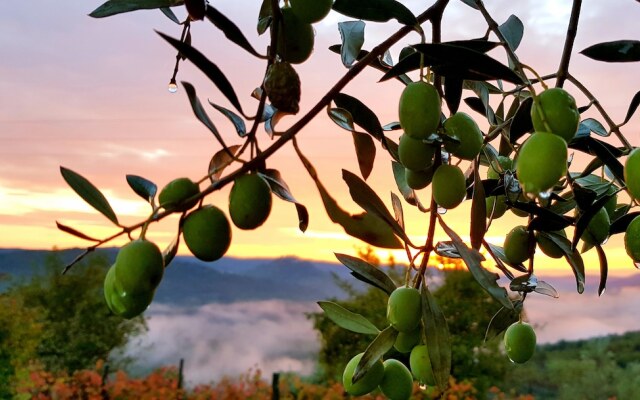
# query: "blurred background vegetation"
57,336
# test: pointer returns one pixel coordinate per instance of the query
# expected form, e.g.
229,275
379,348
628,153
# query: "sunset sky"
91,95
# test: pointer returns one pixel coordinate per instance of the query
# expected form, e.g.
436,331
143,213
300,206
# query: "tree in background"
60,322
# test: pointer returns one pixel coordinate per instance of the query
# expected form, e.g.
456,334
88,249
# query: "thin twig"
572,31
612,125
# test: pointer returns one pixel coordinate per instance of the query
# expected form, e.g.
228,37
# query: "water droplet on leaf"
442,210
173,87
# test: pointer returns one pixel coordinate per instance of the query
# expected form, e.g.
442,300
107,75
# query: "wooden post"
275,386
105,375
180,379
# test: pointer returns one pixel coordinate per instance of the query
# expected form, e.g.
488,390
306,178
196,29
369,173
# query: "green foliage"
468,310
60,321
591,369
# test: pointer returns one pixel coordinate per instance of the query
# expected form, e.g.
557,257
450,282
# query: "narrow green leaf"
75,232
264,17
470,3
453,93
604,269
521,122
365,226
604,151
512,30
377,63
89,193
373,274
113,7
615,51
200,113
546,289
595,127
572,256
342,118
230,30
438,338
411,61
397,209
280,188
473,259
375,10
366,198
220,160
633,106
620,224
348,320
169,253
169,14
361,114
478,226
142,187
207,67
502,320
501,258
444,59
235,119
352,34
374,352
365,151
409,194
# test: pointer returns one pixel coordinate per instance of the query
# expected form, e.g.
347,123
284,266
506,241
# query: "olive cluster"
395,380
130,283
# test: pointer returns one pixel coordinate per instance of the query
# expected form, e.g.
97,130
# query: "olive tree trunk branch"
572,31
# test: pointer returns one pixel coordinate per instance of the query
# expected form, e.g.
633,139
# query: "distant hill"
190,282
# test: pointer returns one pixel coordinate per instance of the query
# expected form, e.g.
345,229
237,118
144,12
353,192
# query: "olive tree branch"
493,26
290,133
572,31
612,125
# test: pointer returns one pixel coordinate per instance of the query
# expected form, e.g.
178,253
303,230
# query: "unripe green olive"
397,382
207,233
295,38
541,162
462,127
404,309
417,180
520,342
406,341
174,196
516,245
632,173
560,113
415,154
449,186
598,229
632,240
419,109
139,266
311,11
548,247
367,383
420,364
249,201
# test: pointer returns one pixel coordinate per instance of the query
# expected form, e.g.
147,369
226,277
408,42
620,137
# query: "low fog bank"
218,340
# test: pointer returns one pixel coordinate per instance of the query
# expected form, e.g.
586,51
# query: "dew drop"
637,264
605,241
544,195
423,386
602,292
442,210
173,87
445,156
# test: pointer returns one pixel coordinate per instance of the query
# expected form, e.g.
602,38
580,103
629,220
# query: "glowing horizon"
103,110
